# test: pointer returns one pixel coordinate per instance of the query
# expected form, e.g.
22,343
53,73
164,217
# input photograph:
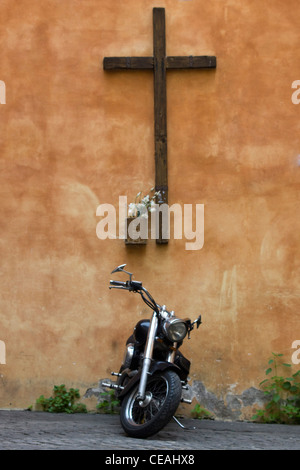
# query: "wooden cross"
159,63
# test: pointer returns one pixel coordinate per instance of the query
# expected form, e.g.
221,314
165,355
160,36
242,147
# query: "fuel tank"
140,331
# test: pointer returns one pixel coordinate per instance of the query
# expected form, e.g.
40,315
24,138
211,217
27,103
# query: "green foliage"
283,393
62,401
200,413
109,404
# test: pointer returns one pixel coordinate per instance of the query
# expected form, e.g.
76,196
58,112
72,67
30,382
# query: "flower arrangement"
142,205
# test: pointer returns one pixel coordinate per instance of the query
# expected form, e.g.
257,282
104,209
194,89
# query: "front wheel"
164,393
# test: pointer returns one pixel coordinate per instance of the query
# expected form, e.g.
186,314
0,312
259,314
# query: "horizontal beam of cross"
171,62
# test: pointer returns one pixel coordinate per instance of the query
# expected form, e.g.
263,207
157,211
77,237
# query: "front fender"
163,365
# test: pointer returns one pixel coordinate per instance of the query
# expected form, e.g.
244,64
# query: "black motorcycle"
153,373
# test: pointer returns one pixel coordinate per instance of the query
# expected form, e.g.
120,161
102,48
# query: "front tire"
165,389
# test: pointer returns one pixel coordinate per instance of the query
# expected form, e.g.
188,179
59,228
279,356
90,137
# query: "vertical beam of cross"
160,109
159,64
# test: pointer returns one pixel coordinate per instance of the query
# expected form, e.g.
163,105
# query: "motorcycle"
153,373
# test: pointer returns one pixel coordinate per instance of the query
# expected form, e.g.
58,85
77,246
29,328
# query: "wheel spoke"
159,389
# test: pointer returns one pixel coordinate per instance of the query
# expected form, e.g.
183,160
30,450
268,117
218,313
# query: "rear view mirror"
197,321
119,268
122,270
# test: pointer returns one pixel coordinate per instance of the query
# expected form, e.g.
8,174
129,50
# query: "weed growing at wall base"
109,404
62,401
283,393
198,412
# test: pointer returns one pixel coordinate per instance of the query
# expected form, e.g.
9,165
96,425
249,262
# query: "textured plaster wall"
73,136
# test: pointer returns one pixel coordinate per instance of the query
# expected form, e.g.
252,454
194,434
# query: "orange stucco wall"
73,136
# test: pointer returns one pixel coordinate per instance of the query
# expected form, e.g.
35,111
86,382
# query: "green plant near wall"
200,413
109,403
62,401
283,392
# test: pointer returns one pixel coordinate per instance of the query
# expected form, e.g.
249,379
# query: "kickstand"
182,426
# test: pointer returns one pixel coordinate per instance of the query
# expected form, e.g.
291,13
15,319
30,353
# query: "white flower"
146,199
152,207
141,207
132,210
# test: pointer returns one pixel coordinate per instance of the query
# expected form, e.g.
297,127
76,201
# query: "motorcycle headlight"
175,329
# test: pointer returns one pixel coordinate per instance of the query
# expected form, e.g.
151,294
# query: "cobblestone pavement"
45,431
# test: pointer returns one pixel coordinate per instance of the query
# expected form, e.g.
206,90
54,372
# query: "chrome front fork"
141,395
147,358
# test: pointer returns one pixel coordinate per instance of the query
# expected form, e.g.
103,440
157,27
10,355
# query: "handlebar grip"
118,283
